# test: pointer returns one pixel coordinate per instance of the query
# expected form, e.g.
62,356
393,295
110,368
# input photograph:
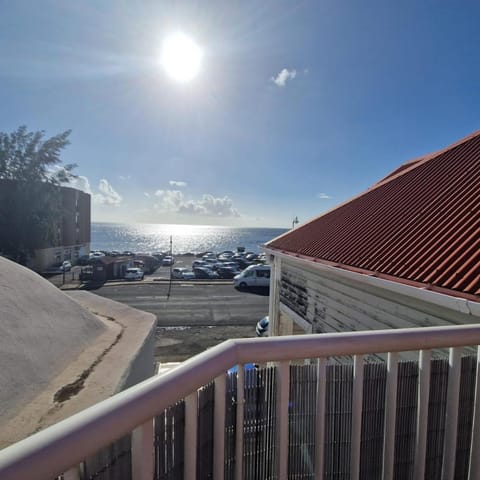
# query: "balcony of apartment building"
390,403
289,408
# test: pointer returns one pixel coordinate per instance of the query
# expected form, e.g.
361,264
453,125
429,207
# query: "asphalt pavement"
192,316
191,303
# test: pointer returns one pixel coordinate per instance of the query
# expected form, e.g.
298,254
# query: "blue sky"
298,105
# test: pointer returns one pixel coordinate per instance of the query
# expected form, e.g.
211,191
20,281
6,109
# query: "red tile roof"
420,224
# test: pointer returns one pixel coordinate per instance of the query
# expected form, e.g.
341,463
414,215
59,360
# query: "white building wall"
321,299
44,258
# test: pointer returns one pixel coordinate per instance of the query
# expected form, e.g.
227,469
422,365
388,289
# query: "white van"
253,276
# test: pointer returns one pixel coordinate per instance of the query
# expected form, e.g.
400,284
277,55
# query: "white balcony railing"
63,446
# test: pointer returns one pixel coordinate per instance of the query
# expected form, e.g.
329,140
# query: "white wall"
327,299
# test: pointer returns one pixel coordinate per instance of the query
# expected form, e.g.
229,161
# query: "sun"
181,57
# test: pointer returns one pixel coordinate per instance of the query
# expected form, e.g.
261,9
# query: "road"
195,316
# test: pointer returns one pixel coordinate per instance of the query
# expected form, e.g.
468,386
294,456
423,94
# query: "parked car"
226,272
262,327
242,263
66,266
134,274
204,272
213,264
183,273
199,263
232,265
253,276
168,260
83,260
226,255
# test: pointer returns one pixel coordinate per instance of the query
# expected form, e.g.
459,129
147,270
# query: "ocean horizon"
149,238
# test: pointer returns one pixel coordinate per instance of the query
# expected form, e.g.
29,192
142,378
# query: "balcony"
296,415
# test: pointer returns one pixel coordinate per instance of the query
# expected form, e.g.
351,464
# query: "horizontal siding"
420,225
332,305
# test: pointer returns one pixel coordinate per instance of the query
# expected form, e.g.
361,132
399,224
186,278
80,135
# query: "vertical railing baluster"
357,404
320,419
390,416
219,428
474,467
142,451
72,474
239,422
451,418
190,444
424,363
283,394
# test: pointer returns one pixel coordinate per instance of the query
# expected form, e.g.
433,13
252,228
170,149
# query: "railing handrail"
50,452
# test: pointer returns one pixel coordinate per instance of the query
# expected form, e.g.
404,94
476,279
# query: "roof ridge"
422,159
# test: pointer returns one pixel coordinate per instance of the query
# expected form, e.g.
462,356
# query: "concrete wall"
60,353
322,300
41,331
135,355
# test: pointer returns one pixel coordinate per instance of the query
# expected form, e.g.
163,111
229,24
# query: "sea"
151,238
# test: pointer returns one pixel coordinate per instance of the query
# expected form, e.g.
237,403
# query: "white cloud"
175,201
210,205
281,79
146,194
124,178
80,183
175,183
323,196
169,200
107,195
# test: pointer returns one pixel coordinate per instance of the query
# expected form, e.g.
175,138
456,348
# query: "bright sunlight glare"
181,57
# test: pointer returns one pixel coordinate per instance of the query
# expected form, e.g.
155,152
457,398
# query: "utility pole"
171,264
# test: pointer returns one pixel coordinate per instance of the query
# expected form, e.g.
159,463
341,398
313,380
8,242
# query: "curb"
81,286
